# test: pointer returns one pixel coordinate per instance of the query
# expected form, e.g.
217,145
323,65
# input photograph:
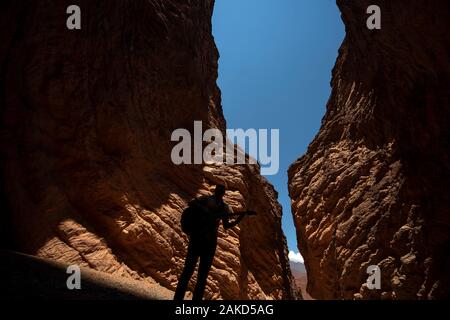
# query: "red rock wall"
373,187
86,121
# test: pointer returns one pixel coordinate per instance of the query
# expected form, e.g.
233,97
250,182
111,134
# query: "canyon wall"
373,186
86,123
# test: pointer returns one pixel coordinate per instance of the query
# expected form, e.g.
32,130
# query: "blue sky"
276,58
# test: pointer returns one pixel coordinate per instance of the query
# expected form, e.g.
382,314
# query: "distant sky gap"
276,58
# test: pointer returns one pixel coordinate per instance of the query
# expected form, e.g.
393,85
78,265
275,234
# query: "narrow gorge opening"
91,182
275,68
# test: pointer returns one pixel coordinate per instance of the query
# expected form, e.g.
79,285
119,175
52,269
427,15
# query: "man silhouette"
203,242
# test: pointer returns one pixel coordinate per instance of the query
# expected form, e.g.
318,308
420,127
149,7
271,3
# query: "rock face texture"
373,187
86,123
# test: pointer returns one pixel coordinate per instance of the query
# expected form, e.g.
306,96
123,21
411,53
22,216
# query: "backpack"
188,220
192,217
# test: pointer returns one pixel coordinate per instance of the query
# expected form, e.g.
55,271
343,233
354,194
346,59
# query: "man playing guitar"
209,211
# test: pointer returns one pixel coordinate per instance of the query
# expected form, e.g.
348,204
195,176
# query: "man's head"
219,192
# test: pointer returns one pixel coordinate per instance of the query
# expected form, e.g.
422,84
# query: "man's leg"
189,267
206,260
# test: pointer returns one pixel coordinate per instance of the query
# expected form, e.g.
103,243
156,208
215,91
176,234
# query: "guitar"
237,214
196,204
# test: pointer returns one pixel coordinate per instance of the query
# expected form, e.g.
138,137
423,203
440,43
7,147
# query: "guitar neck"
237,214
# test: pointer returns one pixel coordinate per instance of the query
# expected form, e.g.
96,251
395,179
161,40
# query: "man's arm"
226,221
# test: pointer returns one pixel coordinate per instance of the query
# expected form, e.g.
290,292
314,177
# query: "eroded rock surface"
373,187
86,123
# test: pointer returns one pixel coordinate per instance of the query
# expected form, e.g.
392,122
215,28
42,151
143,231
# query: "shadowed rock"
373,187
86,123
26,277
